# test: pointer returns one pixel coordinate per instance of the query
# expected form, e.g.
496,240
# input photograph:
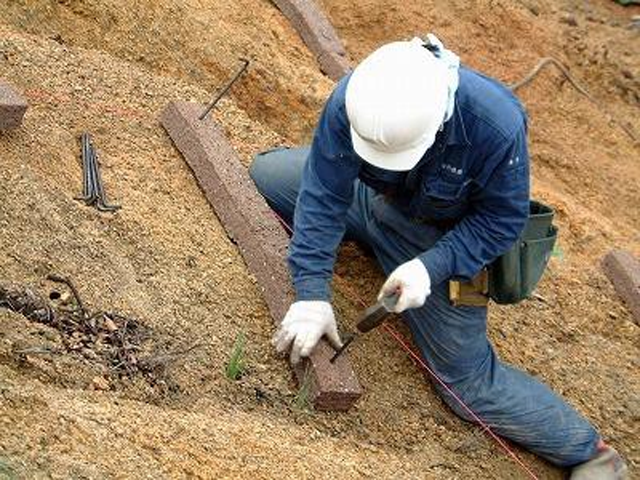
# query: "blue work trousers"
452,340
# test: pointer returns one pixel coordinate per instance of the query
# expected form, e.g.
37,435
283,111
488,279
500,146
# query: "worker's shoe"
606,465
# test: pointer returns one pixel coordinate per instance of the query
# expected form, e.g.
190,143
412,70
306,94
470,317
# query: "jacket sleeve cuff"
438,265
313,289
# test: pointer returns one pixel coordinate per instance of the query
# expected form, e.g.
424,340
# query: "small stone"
569,19
110,325
100,383
533,9
51,335
90,354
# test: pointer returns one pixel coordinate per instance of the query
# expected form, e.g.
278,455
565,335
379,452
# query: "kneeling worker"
425,162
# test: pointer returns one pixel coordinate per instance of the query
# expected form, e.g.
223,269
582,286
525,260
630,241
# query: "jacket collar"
455,131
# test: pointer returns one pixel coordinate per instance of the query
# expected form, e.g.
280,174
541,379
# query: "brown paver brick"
623,269
12,107
263,242
318,33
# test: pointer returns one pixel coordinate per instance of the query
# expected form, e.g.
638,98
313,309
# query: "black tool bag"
514,275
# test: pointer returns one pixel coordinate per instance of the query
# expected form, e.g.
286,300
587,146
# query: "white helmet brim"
394,161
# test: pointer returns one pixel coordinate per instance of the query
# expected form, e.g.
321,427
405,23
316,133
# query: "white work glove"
303,326
411,282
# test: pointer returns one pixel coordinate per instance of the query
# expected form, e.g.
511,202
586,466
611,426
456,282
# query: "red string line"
403,342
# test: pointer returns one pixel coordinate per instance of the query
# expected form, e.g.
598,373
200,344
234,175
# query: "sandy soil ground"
110,67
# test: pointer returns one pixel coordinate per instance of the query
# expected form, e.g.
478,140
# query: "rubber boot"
606,465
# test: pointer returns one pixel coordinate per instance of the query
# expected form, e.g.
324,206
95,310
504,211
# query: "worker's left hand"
411,282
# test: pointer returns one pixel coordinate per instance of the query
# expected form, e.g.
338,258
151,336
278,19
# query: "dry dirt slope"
166,260
195,40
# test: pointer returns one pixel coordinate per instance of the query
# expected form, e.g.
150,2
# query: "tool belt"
513,276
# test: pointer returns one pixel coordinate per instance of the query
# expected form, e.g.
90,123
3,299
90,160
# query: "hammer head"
377,313
370,319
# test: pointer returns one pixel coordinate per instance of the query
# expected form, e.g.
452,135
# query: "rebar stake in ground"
227,87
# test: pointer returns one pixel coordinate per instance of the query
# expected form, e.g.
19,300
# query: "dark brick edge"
318,34
12,107
623,269
262,241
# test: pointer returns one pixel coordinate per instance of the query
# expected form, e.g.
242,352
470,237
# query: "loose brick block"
623,269
334,66
12,107
262,241
318,33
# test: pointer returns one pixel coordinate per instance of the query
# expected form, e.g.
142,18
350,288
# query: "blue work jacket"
473,183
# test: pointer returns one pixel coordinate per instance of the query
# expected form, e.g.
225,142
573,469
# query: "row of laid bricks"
12,107
262,241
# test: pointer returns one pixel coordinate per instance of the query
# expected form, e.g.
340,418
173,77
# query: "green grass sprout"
236,365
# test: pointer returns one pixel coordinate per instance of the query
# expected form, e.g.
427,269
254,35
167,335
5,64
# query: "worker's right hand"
303,326
411,282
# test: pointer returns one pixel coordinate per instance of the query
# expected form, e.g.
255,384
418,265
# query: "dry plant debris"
123,344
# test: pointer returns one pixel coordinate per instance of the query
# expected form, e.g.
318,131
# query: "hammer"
371,318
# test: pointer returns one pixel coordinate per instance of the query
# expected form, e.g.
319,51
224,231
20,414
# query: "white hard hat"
396,101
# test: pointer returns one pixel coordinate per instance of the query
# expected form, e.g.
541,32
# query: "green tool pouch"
514,275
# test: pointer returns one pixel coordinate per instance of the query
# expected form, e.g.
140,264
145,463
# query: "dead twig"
38,351
114,339
67,281
538,68
162,359
565,72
